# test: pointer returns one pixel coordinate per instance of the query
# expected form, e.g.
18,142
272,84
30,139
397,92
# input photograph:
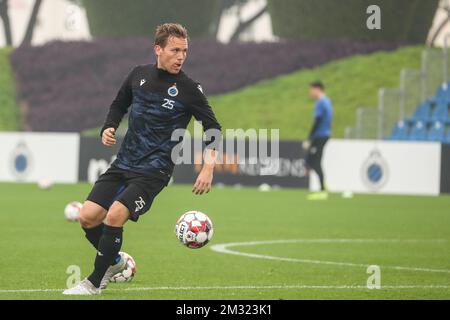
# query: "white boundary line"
269,287
224,248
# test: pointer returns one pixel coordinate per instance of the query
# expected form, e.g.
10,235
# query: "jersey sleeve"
202,111
319,110
119,106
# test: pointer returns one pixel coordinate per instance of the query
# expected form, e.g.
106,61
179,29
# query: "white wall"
260,30
57,20
440,16
405,167
31,157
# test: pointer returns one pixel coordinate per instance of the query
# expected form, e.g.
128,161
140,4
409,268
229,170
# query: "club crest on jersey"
173,91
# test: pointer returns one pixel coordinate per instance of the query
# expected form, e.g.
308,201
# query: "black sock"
94,234
108,248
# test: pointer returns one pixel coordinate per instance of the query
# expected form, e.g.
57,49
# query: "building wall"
57,20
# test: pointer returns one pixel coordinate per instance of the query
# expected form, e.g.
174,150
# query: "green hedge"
118,18
401,20
283,102
9,110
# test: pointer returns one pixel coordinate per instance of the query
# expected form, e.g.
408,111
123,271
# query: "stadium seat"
418,132
443,94
440,112
422,112
447,137
437,132
400,131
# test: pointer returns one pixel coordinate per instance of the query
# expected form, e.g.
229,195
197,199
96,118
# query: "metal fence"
412,90
350,133
395,104
433,68
367,123
390,108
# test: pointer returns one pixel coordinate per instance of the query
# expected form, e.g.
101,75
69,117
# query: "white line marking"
269,287
224,248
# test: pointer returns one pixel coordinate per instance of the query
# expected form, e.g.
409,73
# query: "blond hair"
167,30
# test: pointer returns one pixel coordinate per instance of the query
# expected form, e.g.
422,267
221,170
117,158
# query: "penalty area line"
268,287
225,248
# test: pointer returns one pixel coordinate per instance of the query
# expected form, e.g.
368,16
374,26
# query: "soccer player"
162,99
319,135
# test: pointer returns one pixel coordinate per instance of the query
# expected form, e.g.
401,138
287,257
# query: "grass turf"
38,245
284,103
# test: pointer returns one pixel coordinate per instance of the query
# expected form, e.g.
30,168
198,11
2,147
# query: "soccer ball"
194,229
45,184
127,274
72,211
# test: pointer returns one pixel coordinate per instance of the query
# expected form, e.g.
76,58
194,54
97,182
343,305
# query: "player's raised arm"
119,107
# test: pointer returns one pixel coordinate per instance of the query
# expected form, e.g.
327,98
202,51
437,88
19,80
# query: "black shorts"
135,191
315,151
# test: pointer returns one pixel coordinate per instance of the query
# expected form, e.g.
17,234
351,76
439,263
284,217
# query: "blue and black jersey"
323,116
160,103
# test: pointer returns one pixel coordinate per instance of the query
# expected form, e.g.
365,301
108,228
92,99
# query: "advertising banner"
32,157
445,169
95,158
289,171
383,167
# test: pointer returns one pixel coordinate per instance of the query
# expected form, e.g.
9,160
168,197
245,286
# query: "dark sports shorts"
315,151
134,190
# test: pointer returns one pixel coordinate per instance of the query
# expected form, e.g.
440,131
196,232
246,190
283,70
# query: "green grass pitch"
331,244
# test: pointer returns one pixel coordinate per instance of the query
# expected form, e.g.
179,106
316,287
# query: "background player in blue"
162,99
319,135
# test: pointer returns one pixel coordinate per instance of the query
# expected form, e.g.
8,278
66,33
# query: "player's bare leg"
91,215
117,215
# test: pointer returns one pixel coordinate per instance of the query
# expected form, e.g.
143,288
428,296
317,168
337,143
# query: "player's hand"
306,144
109,137
204,181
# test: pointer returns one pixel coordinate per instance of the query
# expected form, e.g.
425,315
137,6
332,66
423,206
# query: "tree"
402,20
30,27
118,18
31,23
6,23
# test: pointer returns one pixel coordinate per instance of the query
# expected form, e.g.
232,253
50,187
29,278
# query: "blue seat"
447,138
418,132
422,112
440,113
400,131
443,94
437,132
